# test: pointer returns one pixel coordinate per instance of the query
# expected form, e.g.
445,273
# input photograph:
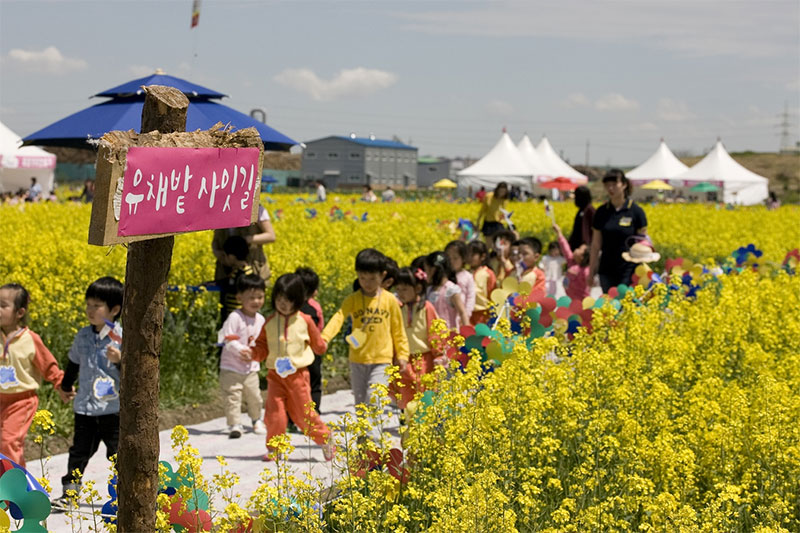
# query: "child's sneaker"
259,428
270,456
234,432
329,451
65,503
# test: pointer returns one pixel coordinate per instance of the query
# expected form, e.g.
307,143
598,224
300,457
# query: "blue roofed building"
351,161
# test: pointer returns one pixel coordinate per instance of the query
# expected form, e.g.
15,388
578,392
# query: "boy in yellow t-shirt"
378,331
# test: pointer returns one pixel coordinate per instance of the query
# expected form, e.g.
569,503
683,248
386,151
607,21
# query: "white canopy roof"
739,185
538,167
662,165
502,163
558,168
19,164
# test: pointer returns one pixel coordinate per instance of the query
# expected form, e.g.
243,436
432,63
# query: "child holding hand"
25,361
94,361
418,314
443,292
288,342
238,371
485,281
378,334
577,267
458,254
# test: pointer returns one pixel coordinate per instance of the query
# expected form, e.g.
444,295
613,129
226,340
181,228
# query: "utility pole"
786,137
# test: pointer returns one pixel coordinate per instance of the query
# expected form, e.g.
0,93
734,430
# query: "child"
577,267
458,254
530,251
287,342
238,372
418,314
378,331
312,308
24,363
553,266
443,293
500,259
94,361
236,250
391,267
485,281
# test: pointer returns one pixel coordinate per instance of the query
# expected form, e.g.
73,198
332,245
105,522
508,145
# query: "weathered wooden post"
143,315
144,198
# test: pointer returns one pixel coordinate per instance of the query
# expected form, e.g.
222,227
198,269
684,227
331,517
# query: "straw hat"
641,252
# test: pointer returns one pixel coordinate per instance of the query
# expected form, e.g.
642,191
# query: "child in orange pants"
288,342
418,313
25,361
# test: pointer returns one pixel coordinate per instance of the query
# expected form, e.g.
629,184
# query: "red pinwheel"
192,521
393,461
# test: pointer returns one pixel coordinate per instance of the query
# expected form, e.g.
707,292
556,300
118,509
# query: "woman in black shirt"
615,222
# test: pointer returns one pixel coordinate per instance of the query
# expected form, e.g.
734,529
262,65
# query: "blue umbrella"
124,112
134,87
268,178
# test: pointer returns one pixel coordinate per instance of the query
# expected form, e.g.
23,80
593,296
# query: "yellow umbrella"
658,185
445,183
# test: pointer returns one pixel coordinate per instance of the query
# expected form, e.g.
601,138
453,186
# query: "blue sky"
448,76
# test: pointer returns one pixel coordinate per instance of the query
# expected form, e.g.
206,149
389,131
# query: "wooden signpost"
149,187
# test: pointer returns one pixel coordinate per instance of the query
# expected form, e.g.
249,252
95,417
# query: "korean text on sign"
175,190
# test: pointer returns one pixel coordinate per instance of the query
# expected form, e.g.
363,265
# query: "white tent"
662,165
739,185
19,165
540,171
558,168
502,163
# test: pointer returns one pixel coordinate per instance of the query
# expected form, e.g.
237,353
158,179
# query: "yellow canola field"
678,419
44,245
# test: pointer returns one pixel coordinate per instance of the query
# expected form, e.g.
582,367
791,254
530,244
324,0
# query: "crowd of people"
35,193
386,321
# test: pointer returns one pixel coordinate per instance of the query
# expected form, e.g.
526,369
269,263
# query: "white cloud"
48,61
575,100
615,102
500,107
673,110
358,81
793,85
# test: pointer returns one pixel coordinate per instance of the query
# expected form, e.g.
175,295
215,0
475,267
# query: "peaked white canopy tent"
557,167
662,165
503,163
738,185
539,169
19,164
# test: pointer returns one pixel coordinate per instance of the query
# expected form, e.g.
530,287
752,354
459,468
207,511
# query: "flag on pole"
195,12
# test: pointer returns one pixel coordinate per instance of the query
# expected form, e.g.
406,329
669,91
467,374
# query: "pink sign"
176,190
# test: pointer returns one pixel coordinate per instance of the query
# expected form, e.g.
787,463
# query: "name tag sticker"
284,367
356,339
625,221
8,377
103,389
